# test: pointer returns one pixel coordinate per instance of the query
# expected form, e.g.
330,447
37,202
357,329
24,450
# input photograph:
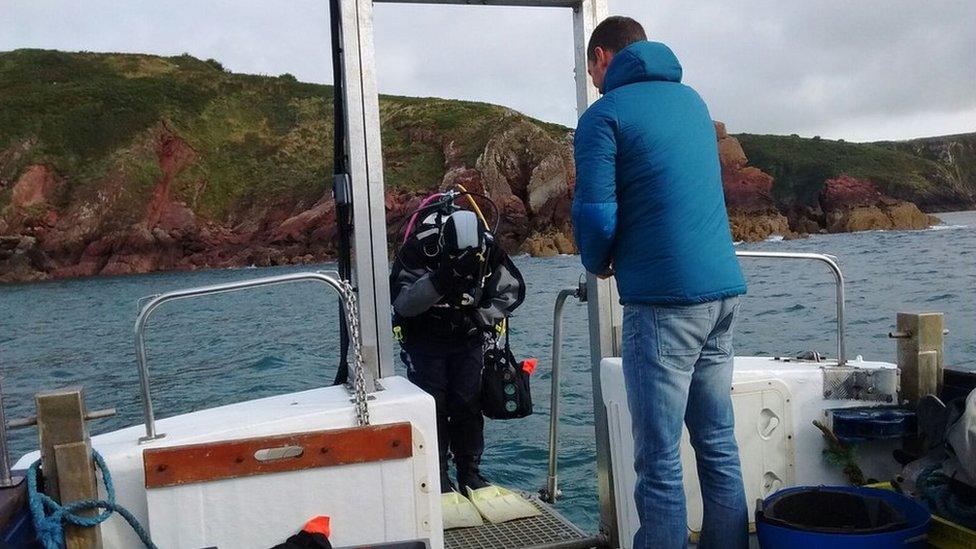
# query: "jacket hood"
642,62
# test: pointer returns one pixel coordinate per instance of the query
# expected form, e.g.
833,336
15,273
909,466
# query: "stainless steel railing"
550,492
831,262
330,279
5,478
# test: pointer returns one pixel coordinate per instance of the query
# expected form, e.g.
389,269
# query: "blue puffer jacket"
649,195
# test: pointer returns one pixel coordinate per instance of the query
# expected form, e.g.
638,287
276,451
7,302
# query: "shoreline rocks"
753,215
850,205
527,172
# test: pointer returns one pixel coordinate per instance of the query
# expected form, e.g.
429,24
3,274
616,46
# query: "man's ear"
603,56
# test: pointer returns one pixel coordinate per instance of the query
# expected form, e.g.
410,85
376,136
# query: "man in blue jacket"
649,210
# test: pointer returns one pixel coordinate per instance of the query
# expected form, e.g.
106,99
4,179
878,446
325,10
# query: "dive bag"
505,390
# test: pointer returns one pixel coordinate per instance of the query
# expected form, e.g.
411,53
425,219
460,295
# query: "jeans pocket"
681,334
721,339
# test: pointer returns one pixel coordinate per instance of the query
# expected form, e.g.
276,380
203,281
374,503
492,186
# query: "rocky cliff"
117,164
936,173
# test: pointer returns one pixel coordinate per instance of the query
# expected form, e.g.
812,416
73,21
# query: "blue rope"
50,527
934,488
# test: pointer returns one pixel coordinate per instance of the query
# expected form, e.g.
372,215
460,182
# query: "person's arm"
595,200
415,297
412,283
415,288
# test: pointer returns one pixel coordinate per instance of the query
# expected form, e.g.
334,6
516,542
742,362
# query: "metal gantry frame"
370,254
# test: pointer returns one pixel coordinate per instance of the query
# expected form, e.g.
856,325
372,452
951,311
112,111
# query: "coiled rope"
933,486
50,526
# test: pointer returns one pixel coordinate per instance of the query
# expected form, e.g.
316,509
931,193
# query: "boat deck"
549,529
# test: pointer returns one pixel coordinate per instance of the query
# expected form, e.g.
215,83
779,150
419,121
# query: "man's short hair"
614,34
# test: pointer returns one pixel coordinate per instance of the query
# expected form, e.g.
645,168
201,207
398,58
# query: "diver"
452,288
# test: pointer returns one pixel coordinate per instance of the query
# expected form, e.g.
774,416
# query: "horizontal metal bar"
831,262
30,421
511,3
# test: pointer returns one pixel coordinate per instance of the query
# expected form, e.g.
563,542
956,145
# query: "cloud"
855,70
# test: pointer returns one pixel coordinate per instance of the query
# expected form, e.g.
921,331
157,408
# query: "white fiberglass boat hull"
372,502
775,404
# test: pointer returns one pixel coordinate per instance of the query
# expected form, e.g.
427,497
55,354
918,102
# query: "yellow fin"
499,504
459,512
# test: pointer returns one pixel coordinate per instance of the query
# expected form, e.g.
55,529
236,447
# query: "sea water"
233,347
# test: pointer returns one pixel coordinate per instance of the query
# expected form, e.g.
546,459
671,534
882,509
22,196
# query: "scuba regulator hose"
444,200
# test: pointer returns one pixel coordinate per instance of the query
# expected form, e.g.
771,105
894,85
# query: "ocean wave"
946,227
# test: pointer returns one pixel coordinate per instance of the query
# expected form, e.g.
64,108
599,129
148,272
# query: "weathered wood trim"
177,465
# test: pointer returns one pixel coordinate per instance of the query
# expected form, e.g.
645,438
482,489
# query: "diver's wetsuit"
443,335
451,373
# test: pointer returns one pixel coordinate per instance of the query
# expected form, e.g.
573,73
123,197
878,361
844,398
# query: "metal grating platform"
548,529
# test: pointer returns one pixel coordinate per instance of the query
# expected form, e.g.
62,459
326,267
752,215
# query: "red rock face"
847,192
36,186
753,215
173,154
528,173
851,204
749,190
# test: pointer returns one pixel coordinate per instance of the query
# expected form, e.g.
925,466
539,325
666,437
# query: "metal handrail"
5,478
831,262
330,279
551,491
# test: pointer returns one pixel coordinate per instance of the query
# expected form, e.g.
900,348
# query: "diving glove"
456,275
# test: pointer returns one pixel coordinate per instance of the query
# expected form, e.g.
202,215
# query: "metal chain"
359,381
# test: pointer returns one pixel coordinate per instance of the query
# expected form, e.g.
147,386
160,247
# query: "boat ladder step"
549,530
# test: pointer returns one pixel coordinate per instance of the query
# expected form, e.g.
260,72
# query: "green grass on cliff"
259,140
801,165
262,141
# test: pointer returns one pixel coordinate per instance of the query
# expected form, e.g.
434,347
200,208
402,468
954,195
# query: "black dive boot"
446,485
469,473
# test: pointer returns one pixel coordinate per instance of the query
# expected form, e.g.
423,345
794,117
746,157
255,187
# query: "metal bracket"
342,188
854,383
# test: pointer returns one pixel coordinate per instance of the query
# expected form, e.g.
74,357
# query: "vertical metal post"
5,478
920,350
551,491
604,312
370,260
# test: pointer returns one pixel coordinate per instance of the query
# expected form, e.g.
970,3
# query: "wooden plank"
206,462
60,420
76,481
916,353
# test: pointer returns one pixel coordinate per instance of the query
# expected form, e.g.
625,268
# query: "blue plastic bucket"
912,535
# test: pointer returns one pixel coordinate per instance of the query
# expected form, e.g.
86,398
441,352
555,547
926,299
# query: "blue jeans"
677,363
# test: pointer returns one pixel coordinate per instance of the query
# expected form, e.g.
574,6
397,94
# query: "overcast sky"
858,70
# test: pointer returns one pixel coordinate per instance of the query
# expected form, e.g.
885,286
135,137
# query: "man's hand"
607,273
